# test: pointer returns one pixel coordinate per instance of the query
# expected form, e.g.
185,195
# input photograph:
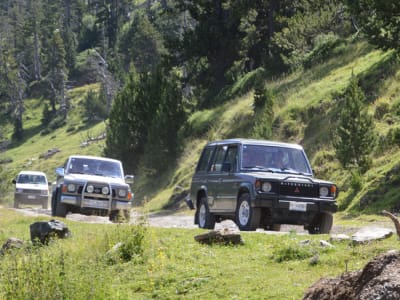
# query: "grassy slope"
305,112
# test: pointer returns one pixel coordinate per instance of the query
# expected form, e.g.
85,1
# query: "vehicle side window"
231,159
219,159
205,159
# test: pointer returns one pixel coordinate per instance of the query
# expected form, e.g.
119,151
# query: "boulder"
380,279
225,236
367,234
10,244
43,231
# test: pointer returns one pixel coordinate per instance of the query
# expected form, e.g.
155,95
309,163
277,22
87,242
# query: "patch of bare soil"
380,279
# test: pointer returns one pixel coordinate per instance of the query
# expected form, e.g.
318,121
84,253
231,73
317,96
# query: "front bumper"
30,198
101,204
302,204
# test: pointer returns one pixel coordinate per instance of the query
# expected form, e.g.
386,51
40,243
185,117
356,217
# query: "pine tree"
355,132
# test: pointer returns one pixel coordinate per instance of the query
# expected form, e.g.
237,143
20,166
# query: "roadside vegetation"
169,264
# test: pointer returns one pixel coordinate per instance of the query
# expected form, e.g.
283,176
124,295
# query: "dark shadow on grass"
27,134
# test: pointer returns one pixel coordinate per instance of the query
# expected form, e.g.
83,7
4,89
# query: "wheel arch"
245,188
200,194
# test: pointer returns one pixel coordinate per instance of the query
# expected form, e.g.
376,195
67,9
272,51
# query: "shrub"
95,106
323,48
381,109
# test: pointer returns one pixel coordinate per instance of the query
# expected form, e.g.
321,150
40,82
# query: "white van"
31,187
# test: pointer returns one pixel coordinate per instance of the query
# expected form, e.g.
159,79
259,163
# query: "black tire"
59,209
117,216
53,202
114,216
45,204
247,217
205,218
16,204
321,224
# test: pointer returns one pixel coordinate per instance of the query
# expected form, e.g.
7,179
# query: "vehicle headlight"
90,188
266,187
19,190
44,192
122,193
323,191
71,187
105,190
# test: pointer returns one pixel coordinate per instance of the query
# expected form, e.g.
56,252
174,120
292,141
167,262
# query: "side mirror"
226,167
60,172
14,181
129,179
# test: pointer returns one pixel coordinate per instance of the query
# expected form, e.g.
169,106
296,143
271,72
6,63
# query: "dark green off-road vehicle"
260,184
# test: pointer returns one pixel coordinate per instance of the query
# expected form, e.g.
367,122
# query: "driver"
278,160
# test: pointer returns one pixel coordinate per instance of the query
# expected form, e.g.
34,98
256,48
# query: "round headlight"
71,188
266,187
122,193
90,188
323,191
105,190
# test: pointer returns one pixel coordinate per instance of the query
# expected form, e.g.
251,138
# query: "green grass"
170,264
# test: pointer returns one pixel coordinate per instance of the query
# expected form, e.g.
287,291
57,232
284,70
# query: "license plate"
298,206
96,203
31,197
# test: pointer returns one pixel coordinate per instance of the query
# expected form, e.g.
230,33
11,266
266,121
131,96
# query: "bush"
95,106
323,49
381,109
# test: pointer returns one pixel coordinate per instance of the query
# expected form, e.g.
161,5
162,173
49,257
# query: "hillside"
305,112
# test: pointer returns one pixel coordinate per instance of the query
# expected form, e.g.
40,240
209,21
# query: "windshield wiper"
259,168
292,171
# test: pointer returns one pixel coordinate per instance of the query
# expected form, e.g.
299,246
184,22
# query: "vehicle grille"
97,190
29,191
299,189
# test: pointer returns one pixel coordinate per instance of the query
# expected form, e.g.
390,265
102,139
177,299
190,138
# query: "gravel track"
171,220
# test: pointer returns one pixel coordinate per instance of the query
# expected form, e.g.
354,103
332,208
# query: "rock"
368,234
44,231
339,237
223,236
49,153
380,279
11,243
325,244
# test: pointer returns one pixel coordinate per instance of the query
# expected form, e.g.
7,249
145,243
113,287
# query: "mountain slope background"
305,112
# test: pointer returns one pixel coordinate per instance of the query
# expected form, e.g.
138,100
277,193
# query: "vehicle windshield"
275,159
31,179
97,167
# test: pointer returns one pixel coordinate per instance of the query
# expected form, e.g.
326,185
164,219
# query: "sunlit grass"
170,264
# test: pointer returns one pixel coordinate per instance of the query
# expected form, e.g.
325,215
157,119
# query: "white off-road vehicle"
93,186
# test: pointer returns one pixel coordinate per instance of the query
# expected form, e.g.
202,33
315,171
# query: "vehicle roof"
94,157
255,142
32,173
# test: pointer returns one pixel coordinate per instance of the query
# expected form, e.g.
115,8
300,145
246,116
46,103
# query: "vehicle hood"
31,186
288,177
94,178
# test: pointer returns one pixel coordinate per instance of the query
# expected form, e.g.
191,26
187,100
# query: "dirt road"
170,220
163,219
